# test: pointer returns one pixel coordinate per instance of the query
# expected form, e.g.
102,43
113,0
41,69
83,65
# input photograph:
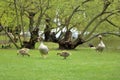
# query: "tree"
87,16
32,12
66,42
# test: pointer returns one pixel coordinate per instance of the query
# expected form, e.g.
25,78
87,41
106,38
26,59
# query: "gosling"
64,54
23,52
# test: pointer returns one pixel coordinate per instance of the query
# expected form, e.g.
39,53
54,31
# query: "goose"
101,45
64,54
43,49
23,51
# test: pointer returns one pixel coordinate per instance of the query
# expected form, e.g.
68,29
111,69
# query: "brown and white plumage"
64,54
43,50
23,51
101,45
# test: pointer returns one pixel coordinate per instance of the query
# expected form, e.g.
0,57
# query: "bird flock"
44,50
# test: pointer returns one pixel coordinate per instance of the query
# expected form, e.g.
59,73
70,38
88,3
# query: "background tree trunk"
47,30
33,39
68,42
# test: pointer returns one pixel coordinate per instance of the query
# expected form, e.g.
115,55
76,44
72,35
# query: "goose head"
100,37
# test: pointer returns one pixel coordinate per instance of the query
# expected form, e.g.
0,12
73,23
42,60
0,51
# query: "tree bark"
47,30
33,40
68,42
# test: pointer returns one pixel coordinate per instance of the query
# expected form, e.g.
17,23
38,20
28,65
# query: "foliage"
64,8
93,16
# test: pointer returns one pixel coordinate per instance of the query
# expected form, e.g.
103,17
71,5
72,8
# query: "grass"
83,64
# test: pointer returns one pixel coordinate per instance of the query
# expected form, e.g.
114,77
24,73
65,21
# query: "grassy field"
83,64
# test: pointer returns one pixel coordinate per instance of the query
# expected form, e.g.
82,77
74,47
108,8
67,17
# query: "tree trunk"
68,42
34,32
31,20
33,40
47,30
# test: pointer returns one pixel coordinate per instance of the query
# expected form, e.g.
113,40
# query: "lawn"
83,64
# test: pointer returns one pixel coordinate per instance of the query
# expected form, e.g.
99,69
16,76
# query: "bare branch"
10,37
16,10
67,22
105,6
42,13
112,23
86,1
102,20
103,33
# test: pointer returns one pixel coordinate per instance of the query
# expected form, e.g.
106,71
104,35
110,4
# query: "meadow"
83,64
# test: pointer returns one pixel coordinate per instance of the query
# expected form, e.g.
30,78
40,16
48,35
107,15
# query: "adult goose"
101,45
43,49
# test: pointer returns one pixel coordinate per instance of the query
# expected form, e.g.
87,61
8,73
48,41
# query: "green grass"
83,64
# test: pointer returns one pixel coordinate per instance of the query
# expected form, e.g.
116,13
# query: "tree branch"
10,38
99,24
67,22
104,33
112,23
86,1
42,13
105,6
